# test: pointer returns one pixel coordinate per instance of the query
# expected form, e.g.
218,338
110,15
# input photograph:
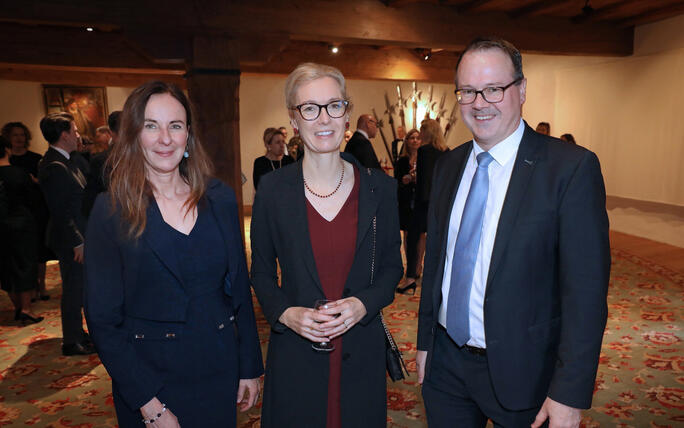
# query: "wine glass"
322,346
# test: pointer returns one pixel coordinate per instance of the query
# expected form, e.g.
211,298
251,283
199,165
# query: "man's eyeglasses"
491,94
311,111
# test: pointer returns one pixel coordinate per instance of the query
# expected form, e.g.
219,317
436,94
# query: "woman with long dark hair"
167,294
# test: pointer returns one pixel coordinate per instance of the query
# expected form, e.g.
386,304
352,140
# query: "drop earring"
346,125
186,154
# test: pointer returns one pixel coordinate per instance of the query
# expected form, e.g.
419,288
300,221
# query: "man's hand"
559,415
421,359
78,254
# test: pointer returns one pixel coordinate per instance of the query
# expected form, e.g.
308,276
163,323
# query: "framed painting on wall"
87,104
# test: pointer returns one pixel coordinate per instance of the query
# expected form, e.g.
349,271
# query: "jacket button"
345,356
232,317
346,292
170,335
221,326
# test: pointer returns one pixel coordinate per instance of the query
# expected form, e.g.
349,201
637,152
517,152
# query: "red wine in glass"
322,346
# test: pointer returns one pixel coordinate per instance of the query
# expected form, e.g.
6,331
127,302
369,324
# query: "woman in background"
340,242
405,173
167,295
19,248
434,146
275,157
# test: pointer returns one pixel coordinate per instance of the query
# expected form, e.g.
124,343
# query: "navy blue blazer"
545,301
134,288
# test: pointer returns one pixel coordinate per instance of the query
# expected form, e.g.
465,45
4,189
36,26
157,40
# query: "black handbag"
395,362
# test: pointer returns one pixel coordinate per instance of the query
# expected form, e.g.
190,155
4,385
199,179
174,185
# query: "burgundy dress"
333,244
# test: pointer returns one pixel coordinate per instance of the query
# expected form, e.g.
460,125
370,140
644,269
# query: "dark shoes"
405,289
78,349
25,318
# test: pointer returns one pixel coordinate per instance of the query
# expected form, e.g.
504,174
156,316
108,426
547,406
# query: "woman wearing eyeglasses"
326,367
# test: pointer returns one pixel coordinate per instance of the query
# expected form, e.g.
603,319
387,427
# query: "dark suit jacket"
279,232
64,193
545,302
136,288
425,167
362,149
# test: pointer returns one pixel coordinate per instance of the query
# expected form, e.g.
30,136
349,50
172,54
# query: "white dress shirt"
62,151
500,170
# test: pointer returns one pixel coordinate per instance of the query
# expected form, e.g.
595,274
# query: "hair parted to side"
129,187
8,127
54,124
270,133
404,147
431,133
308,72
489,42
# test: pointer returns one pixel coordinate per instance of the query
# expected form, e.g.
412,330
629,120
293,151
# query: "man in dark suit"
359,144
63,185
97,179
513,305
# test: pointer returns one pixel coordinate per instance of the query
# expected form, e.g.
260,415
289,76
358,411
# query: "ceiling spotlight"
90,29
334,49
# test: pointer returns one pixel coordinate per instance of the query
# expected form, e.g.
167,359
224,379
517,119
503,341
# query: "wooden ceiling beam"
603,12
472,6
536,8
412,25
655,15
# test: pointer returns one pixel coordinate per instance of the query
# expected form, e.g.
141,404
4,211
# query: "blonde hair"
308,72
431,133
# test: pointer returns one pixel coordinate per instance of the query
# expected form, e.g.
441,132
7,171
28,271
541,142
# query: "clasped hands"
326,323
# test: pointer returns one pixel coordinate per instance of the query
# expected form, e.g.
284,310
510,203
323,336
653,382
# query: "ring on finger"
347,322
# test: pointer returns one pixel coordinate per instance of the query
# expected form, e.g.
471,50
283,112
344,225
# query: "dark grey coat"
296,383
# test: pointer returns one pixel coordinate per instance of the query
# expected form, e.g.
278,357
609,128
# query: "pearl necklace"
329,194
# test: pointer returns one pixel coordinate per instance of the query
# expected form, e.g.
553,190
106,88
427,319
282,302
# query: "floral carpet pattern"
640,381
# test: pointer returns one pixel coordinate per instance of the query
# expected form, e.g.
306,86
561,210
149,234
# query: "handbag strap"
382,318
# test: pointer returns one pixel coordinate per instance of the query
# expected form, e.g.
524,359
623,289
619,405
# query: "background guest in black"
63,186
19,248
275,156
568,138
360,146
405,173
178,336
97,179
296,148
19,137
433,147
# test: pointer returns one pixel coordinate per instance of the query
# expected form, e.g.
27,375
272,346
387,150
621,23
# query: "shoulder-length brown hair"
129,187
431,133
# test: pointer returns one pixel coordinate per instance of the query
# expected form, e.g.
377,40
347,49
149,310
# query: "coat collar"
161,241
368,205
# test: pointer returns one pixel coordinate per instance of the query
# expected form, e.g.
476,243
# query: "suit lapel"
223,215
368,204
299,221
445,199
161,241
525,162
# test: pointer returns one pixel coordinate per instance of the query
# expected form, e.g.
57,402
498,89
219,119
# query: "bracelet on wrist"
154,419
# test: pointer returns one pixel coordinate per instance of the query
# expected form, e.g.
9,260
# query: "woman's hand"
350,311
153,408
306,322
251,387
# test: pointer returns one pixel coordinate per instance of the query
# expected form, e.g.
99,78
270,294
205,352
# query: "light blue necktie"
465,253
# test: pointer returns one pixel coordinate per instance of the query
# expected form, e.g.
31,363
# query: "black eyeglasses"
491,94
311,111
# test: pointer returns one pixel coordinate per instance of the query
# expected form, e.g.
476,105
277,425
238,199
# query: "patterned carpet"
640,381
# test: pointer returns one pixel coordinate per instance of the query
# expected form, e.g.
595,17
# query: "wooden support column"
213,86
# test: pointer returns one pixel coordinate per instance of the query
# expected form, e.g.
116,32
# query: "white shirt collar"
362,132
62,151
506,149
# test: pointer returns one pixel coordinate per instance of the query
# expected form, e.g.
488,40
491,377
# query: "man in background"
359,144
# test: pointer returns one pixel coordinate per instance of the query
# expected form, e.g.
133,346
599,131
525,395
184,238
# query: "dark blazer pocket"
545,332
156,342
